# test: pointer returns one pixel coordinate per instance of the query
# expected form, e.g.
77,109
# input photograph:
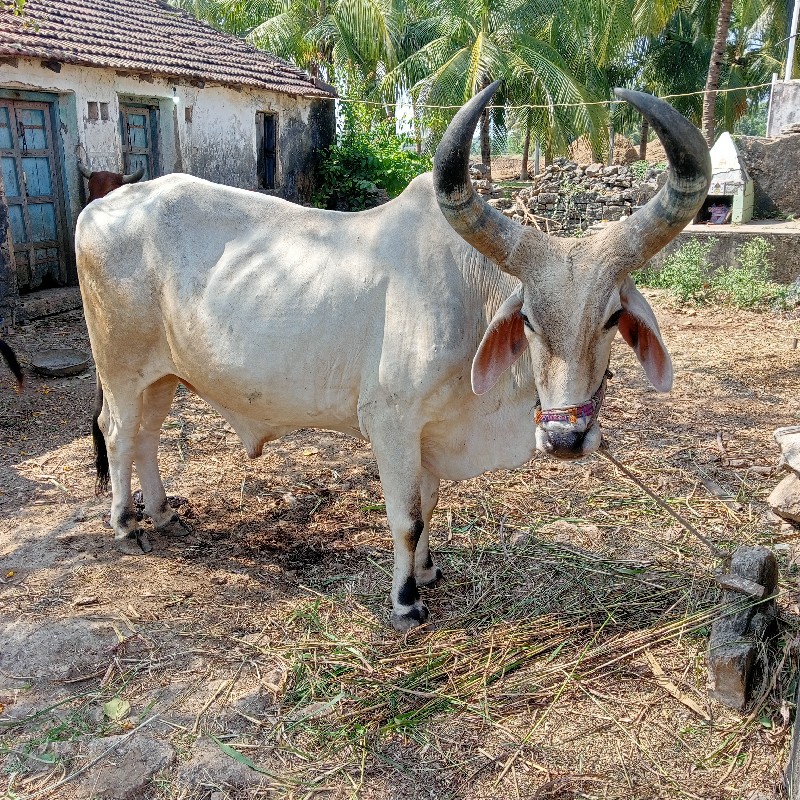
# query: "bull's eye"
613,320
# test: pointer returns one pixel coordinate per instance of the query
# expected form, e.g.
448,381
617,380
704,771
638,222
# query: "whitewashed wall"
216,139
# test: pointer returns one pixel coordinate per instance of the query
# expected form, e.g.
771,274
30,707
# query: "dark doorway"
139,139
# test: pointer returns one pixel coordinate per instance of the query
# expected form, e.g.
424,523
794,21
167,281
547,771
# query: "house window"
266,149
139,125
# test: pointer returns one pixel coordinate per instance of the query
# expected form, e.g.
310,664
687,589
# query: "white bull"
284,317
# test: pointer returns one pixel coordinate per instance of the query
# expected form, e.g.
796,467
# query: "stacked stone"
569,198
785,498
479,173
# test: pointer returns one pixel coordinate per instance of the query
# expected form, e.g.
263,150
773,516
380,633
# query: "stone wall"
774,165
784,107
567,198
727,245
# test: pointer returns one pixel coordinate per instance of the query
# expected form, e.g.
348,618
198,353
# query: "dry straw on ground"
567,655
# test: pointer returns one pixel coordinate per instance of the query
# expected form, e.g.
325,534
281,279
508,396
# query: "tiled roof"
145,36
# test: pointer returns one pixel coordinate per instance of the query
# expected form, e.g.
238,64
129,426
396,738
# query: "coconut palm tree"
741,42
324,37
469,43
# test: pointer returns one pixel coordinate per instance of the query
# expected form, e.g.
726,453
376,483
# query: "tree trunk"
537,157
610,145
526,149
714,70
486,149
645,132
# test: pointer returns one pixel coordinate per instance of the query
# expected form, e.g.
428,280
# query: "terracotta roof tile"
145,36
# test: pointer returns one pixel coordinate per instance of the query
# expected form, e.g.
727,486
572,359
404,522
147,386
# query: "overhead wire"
547,105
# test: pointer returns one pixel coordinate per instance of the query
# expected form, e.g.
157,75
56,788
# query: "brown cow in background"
101,183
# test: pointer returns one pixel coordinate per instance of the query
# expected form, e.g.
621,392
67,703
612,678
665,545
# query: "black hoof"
417,615
175,527
135,543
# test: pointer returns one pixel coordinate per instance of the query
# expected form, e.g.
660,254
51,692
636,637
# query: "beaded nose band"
572,414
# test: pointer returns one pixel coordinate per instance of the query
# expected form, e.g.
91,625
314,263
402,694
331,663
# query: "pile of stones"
785,498
479,173
567,198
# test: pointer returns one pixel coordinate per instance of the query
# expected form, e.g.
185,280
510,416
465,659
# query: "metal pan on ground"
59,363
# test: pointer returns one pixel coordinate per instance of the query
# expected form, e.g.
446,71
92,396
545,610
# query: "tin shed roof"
145,36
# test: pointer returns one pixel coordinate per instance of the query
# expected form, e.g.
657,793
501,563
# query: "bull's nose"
565,444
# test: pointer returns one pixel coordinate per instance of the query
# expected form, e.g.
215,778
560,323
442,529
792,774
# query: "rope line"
685,524
547,105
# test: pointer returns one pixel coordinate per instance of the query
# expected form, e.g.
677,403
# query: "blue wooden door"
28,161
139,139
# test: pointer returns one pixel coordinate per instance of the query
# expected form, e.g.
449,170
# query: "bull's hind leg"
425,571
119,421
156,403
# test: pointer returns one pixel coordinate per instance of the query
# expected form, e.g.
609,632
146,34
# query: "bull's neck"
487,288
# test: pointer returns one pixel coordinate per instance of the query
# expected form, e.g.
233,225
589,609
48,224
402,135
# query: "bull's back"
268,309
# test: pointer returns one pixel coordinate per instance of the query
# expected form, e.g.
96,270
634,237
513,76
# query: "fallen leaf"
116,709
665,683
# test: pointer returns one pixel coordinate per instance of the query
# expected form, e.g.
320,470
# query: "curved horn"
134,176
485,228
84,170
664,217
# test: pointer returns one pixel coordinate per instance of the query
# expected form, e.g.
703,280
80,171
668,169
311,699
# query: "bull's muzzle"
572,432
568,442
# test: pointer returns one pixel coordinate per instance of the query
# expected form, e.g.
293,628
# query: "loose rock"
785,498
125,771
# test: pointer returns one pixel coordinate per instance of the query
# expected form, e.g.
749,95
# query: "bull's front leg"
425,570
402,475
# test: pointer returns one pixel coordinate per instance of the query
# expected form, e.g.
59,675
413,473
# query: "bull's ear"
502,344
639,329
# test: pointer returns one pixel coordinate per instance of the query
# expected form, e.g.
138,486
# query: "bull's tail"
11,362
100,450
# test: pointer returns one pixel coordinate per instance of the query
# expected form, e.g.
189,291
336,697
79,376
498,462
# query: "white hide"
284,317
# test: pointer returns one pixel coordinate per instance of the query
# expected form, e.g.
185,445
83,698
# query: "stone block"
788,440
742,628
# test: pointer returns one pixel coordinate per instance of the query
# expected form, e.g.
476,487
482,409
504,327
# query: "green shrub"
639,169
748,284
368,160
684,274
689,277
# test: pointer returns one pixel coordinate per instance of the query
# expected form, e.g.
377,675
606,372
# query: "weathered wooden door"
139,139
30,183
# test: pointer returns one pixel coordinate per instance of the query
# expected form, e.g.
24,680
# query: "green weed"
684,274
368,160
689,277
747,284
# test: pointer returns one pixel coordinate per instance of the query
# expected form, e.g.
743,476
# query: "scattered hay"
265,631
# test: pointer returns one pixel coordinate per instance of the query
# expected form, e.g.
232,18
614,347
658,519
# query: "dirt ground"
253,658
